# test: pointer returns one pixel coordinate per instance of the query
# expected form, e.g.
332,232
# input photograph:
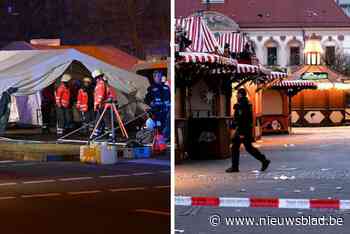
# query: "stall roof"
202,38
299,84
331,77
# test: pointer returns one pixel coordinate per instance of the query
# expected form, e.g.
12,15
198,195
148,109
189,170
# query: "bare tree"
339,62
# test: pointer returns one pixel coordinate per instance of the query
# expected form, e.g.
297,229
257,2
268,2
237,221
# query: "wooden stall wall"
275,111
319,108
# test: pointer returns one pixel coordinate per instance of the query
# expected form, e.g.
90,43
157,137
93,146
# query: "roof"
18,45
332,75
298,84
108,54
272,13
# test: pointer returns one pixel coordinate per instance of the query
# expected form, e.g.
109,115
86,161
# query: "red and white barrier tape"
263,202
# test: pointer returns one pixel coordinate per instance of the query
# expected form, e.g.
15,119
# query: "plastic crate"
142,152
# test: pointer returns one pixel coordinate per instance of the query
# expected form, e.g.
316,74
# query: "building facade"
278,28
284,47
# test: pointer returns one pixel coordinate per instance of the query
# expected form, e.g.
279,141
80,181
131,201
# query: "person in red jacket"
85,102
63,105
99,99
103,93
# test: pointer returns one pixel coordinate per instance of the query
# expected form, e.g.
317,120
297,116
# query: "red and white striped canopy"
189,57
277,75
295,84
247,68
203,40
236,41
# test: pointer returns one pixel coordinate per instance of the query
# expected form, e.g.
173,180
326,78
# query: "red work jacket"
62,96
82,100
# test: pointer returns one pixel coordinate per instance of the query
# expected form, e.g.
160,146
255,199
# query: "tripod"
114,114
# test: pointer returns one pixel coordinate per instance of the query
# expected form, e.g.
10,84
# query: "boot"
232,170
265,165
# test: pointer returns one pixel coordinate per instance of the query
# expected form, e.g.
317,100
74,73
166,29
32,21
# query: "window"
294,56
330,55
272,56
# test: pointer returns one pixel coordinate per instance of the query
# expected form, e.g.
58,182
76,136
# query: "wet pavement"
311,163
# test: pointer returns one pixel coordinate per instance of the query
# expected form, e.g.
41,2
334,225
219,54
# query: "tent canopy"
32,71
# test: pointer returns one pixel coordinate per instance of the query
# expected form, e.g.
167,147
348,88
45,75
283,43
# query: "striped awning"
277,75
294,84
189,57
203,40
247,68
236,41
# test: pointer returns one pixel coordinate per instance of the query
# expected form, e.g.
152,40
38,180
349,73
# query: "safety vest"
62,96
103,92
111,94
82,100
100,93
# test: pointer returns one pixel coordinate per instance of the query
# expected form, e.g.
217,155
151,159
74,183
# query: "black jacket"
4,111
4,101
243,117
157,94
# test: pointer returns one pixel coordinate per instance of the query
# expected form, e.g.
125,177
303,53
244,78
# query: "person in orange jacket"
63,105
85,102
103,93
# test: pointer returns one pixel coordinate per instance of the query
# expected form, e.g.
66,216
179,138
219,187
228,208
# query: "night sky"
140,27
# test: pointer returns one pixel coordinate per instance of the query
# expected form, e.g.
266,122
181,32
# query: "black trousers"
87,117
64,119
46,115
247,142
105,122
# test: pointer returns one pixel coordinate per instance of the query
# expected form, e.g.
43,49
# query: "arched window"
271,52
294,47
329,48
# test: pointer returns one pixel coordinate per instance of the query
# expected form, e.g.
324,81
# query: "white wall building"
284,46
278,28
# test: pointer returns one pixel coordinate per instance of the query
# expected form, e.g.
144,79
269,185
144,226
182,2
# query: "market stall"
277,104
205,82
328,105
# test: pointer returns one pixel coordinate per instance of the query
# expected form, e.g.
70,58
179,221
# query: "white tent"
31,71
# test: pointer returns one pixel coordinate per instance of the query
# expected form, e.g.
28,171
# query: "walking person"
85,102
63,97
243,124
